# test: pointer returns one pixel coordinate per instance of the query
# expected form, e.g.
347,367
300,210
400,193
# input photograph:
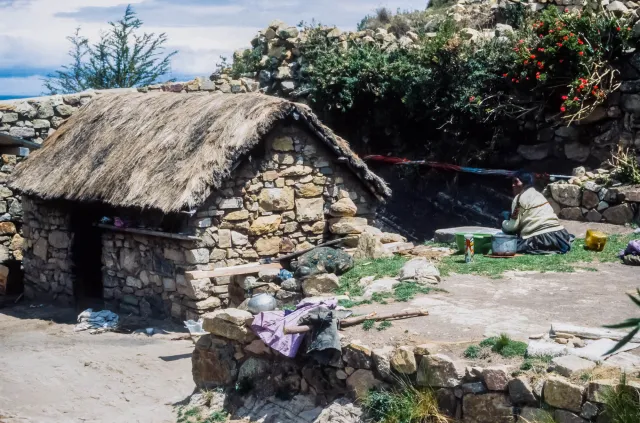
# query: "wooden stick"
352,321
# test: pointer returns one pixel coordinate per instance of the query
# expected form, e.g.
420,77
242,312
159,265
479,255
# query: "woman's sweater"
531,215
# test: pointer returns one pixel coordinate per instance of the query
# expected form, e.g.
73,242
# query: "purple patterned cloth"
632,249
269,326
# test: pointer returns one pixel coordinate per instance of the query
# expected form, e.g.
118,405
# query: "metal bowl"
260,303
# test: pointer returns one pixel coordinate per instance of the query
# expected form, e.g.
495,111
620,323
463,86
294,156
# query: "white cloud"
33,32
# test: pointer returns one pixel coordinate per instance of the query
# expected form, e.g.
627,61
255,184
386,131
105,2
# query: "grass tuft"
368,324
563,263
384,325
505,346
536,364
407,404
378,268
473,351
622,404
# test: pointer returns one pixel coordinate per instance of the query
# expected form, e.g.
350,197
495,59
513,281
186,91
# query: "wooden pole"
352,321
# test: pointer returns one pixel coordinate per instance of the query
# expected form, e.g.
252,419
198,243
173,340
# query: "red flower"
628,28
527,78
571,34
576,99
559,44
526,62
595,87
540,35
505,75
580,41
582,86
566,10
540,49
533,56
561,60
618,29
581,53
517,81
472,98
564,97
513,80
563,109
537,75
565,38
551,31
520,41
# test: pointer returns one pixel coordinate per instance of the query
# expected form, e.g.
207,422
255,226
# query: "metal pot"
504,245
260,303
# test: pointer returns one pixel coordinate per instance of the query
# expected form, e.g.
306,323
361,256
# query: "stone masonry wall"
47,251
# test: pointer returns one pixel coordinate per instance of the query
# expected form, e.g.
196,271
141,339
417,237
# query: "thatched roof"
162,150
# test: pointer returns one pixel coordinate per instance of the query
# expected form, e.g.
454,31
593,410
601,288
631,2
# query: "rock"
426,349
212,363
569,132
236,216
370,247
205,305
22,132
265,225
571,213
579,171
589,410
357,355
474,388
570,365
563,416
276,199
224,238
560,393
345,207
382,362
534,152
488,408
619,215
283,144
565,194
420,270
230,323
439,371
321,284
598,114
496,378
361,382
317,228
521,392
403,361
597,389
298,170
197,256
530,414
388,238
268,246
384,285
630,103
309,190
40,248
589,199
593,216
617,7
309,209
347,225
258,347
254,370
292,284
238,239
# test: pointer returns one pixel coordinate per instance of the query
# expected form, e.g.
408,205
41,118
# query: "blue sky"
33,32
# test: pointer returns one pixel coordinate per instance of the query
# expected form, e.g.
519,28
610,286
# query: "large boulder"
566,194
560,393
619,215
439,371
570,365
309,209
358,356
521,392
322,260
577,151
403,361
348,225
370,247
488,408
420,270
254,370
535,152
230,323
496,378
382,362
361,382
322,284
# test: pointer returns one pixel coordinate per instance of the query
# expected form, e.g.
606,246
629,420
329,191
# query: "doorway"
86,254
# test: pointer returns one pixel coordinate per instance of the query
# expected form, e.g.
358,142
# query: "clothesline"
456,168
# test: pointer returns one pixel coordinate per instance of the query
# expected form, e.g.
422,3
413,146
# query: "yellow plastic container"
595,240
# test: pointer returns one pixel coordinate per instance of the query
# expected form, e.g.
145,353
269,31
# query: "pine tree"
120,59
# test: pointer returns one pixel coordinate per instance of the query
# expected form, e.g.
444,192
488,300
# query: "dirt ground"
52,374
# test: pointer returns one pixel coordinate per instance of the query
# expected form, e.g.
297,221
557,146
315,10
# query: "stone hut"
135,189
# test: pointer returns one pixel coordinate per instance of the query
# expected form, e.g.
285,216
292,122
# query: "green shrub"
384,325
505,346
473,351
404,405
622,404
368,324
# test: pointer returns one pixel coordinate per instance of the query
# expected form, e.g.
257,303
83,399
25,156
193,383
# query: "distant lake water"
11,97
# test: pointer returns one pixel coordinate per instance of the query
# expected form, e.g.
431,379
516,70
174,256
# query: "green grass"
368,324
378,268
537,364
495,268
406,404
505,346
473,351
621,404
384,326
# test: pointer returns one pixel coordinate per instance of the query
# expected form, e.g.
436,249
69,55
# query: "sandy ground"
520,304
51,374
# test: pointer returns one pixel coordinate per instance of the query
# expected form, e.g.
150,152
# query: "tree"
121,59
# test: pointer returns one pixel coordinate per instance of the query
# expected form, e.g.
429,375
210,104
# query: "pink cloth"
269,326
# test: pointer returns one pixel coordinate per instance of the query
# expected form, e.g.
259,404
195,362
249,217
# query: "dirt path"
51,374
519,304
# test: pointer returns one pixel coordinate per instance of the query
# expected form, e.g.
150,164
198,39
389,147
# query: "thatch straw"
162,150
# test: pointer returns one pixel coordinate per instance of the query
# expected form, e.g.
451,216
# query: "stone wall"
232,356
47,251
592,202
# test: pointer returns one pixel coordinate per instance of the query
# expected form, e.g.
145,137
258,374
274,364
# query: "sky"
33,32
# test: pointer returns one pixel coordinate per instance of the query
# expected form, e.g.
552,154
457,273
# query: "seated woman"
534,221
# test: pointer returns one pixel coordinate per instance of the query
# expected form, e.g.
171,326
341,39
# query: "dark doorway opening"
86,253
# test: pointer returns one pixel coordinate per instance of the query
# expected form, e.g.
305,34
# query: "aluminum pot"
260,303
504,245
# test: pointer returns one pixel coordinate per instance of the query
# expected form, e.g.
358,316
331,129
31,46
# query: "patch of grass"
545,417
216,417
621,404
289,307
378,268
384,325
586,377
505,346
563,263
406,291
473,351
536,364
368,324
406,404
